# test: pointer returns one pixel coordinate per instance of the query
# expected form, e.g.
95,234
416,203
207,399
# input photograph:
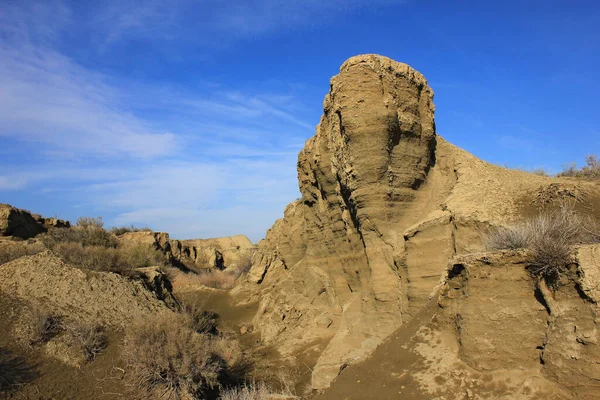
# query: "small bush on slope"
165,357
549,236
87,235
90,340
12,250
42,326
591,170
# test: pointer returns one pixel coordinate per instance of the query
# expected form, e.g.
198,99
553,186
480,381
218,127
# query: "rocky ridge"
197,254
23,224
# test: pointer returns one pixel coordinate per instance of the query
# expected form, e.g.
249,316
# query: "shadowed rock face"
22,224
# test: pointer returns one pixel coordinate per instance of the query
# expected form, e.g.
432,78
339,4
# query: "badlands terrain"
408,269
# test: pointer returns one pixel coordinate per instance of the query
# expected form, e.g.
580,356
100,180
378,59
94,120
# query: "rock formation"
385,204
198,254
22,224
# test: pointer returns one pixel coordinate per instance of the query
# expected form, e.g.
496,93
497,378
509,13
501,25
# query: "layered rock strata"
385,203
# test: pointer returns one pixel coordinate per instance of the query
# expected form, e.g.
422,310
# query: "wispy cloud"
215,22
193,162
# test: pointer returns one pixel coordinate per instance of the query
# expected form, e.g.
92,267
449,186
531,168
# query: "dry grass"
121,260
87,235
550,237
212,278
250,391
12,250
166,357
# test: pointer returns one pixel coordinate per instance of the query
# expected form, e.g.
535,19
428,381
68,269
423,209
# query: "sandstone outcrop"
199,254
22,224
385,204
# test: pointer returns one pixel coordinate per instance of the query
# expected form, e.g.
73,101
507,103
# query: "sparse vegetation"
249,391
591,169
214,278
550,237
86,235
165,356
13,250
91,340
126,229
43,326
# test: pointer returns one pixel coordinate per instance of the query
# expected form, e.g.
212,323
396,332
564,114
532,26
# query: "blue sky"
187,116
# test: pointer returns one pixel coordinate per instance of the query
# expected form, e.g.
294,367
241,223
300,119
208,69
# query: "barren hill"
386,206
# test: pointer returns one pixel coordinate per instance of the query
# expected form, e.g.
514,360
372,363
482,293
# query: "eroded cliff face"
492,332
385,204
198,254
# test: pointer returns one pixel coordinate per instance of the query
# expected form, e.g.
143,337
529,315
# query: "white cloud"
195,163
48,99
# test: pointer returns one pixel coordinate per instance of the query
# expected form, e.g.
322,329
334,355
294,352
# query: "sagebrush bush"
122,259
42,326
164,355
126,229
13,250
200,320
90,339
85,235
591,169
550,237
90,222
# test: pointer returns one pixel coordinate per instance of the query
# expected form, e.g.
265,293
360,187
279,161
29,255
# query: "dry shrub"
514,237
550,236
97,258
249,391
42,326
199,320
126,229
164,356
591,170
87,235
90,222
13,250
91,340
132,255
217,279
121,260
